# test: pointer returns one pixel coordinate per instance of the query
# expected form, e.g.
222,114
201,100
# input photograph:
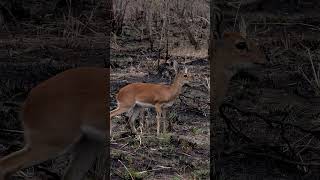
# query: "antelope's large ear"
243,28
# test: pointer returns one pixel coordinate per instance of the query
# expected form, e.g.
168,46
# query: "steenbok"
134,97
66,112
231,52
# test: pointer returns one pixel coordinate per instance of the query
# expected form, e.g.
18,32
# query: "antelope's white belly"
168,104
144,104
165,105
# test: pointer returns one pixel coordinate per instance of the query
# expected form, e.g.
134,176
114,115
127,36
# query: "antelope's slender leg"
143,119
135,111
170,124
164,119
158,117
147,123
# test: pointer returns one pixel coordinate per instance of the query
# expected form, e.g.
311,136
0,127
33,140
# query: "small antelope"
232,51
136,96
66,112
228,52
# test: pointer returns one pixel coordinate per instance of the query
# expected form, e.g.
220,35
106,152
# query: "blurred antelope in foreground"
231,52
65,113
134,97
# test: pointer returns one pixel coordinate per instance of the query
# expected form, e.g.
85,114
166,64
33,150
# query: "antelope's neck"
176,87
224,65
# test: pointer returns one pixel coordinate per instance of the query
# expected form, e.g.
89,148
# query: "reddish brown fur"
147,93
55,115
153,94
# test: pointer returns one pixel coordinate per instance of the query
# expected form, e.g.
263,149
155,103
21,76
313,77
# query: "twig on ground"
126,169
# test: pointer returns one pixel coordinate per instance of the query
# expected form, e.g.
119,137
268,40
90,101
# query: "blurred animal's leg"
28,156
84,154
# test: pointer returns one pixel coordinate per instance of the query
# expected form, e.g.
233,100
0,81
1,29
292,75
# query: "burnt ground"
35,47
182,152
269,128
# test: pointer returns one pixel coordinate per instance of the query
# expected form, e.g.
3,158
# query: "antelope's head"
234,49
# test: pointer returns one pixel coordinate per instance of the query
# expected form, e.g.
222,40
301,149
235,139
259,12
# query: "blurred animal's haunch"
65,112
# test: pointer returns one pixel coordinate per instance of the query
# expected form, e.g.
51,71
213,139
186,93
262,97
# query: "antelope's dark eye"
241,45
185,75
